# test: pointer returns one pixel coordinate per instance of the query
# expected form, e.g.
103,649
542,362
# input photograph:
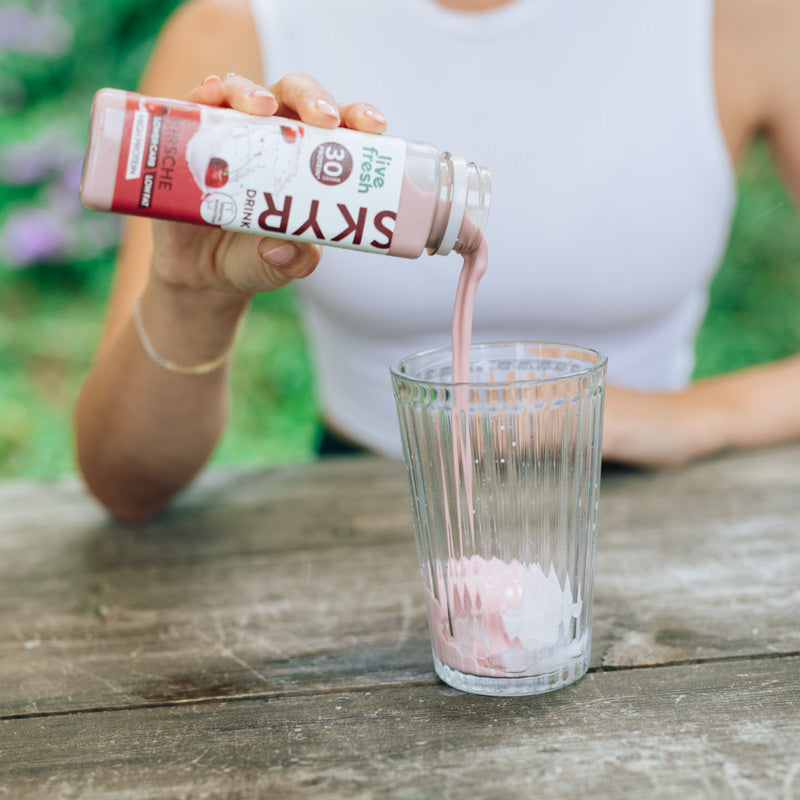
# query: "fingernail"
281,256
373,113
257,93
327,108
211,78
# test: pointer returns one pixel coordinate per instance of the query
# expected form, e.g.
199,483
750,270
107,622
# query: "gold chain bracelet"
170,366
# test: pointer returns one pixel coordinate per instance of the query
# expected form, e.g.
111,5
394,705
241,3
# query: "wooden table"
267,638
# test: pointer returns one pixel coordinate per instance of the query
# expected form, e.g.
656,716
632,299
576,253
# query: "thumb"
288,260
270,265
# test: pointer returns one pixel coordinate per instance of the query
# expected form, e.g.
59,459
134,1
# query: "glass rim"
600,363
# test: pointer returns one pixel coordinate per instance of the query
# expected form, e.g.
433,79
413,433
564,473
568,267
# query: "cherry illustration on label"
217,173
290,133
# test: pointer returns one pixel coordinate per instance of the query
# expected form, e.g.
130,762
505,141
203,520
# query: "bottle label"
264,175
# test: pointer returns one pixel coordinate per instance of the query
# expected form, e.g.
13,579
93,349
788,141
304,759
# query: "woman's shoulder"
213,12
763,34
200,38
756,64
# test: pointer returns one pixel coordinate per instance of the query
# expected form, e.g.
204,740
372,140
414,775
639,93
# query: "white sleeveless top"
612,188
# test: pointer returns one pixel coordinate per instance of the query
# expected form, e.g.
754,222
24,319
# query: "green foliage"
63,52
755,298
273,415
50,324
55,258
53,57
48,331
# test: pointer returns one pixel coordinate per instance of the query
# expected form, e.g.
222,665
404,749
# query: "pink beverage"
474,267
503,475
278,177
499,618
475,263
490,617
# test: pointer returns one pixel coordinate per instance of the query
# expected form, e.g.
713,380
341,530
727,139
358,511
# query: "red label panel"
153,177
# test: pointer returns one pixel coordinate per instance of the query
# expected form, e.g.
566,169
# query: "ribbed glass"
504,477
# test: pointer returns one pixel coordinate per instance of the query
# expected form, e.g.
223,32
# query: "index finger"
302,97
235,91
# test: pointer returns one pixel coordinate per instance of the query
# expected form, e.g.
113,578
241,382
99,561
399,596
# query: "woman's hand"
196,257
143,432
662,429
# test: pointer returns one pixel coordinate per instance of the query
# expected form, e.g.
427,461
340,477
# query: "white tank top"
612,188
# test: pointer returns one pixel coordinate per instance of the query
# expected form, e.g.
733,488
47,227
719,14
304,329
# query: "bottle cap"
458,203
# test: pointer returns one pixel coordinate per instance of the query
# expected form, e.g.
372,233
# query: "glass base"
572,670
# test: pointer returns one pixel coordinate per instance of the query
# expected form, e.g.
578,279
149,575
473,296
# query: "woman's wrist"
706,420
180,325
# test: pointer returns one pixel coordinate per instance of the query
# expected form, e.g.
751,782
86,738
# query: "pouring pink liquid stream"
491,617
474,268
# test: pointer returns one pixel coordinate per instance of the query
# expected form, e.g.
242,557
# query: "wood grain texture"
712,730
269,582
266,638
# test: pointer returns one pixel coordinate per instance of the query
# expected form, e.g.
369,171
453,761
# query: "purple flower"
37,236
26,163
25,31
63,194
69,181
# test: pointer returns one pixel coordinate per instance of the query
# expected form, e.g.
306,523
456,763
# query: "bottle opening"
462,207
457,168
476,211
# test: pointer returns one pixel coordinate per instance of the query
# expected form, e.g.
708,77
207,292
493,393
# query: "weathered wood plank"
260,582
714,730
701,562
261,627
305,578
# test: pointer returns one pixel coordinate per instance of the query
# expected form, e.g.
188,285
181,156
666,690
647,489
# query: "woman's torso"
612,185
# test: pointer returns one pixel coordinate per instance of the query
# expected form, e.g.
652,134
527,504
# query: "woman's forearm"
752,407
142,432
757,406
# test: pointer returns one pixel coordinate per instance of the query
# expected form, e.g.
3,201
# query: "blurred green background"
56,258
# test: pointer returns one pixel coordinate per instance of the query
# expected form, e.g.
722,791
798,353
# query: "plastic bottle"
279,177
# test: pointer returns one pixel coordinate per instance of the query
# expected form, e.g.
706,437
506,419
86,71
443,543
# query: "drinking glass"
504,473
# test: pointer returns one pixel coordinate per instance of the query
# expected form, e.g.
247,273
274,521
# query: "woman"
611,131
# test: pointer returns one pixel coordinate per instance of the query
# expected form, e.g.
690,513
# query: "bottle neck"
462,207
